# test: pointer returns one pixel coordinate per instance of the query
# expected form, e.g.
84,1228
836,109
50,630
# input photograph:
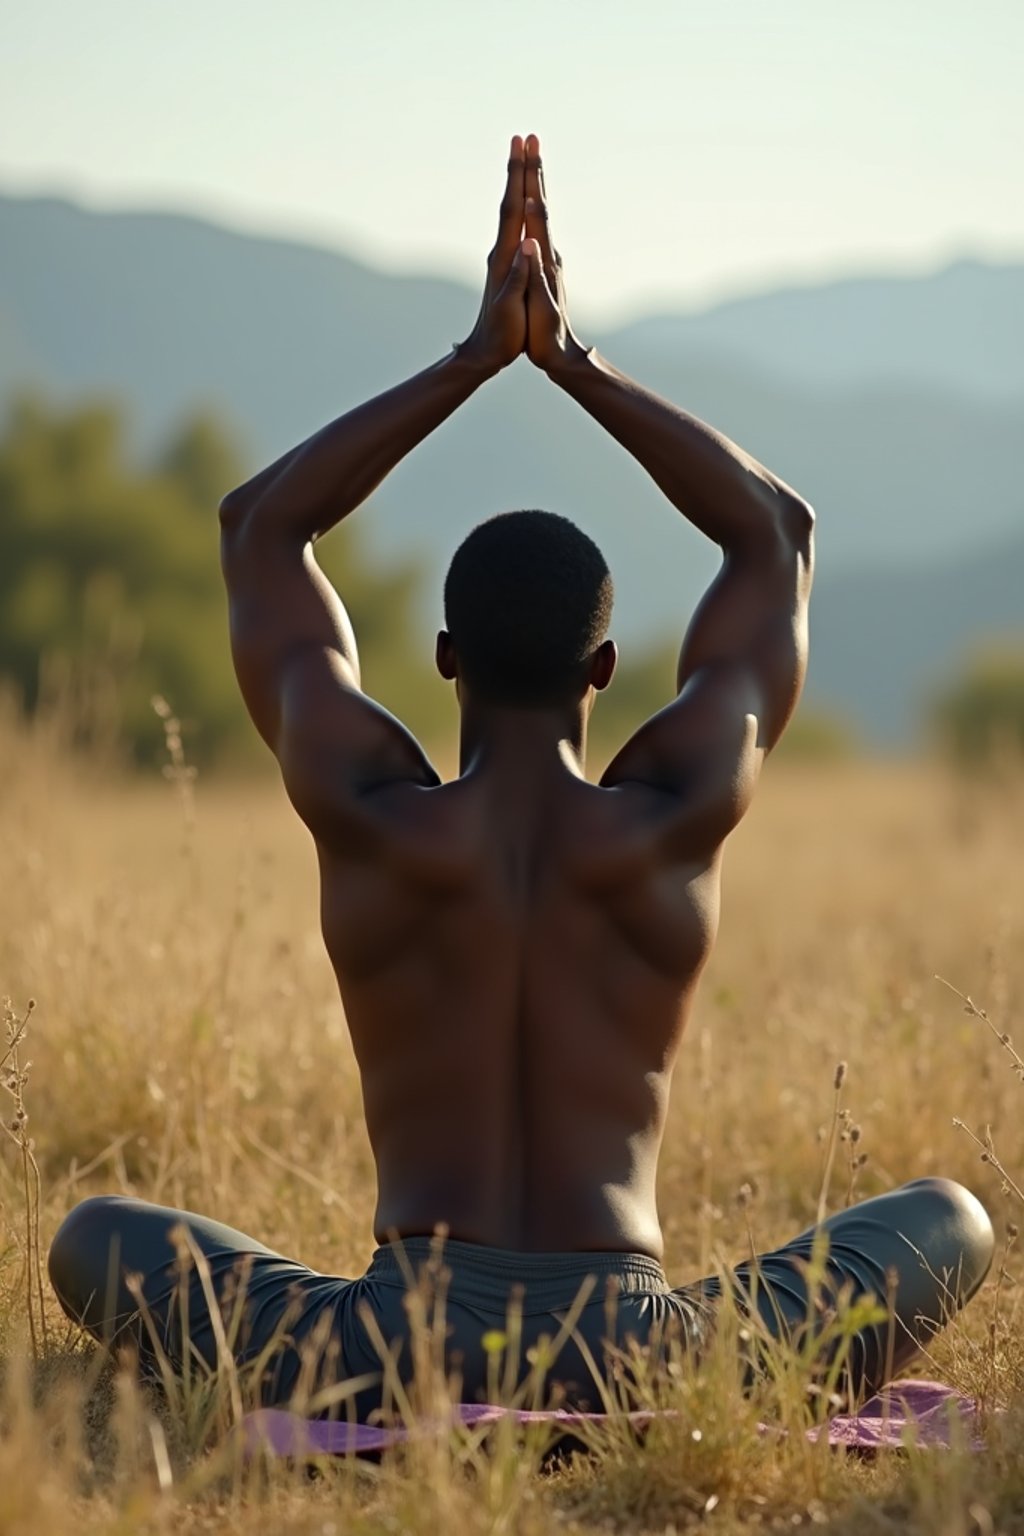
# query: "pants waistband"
484,1276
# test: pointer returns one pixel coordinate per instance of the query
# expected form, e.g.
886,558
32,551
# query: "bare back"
516,974
517,950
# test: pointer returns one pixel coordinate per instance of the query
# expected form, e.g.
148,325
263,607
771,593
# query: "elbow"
233,510
796,518
233,516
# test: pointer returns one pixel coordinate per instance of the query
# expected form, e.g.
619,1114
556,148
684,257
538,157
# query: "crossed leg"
924,1248
109,1240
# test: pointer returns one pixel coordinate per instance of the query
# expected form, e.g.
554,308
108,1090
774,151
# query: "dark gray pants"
925,1247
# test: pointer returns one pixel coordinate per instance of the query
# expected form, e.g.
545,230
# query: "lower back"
515,1030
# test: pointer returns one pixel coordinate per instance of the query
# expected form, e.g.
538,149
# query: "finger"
537,228
512,211
536,211
539,287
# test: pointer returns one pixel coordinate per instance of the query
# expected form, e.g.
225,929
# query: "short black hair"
527,602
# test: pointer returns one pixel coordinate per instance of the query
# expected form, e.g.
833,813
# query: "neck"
522,741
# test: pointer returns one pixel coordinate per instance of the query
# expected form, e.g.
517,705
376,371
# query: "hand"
499,335
549,336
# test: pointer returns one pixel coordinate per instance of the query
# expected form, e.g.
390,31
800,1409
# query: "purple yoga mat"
934,1414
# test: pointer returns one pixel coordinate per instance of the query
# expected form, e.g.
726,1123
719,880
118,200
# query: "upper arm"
741,669
297,665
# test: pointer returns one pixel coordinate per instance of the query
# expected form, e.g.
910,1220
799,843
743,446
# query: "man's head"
527,601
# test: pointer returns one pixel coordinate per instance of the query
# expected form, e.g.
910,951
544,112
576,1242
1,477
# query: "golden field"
187,1045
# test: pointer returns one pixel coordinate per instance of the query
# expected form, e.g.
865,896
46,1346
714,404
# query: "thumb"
521,271
529,253
533,264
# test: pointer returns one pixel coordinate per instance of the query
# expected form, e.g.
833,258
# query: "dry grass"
187,1046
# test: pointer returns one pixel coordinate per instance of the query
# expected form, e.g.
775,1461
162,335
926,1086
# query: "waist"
476,1274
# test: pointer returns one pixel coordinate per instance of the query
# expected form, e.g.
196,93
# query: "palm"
547,325
523,307
499,335
505,305
548,332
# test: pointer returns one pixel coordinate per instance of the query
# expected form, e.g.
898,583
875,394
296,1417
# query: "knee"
80,1254
956,1231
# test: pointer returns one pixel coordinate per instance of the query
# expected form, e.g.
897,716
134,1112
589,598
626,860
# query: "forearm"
311,488
723,491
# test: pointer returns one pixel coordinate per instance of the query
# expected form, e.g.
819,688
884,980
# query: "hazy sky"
692,150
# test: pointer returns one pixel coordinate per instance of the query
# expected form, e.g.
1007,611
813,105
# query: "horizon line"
617,316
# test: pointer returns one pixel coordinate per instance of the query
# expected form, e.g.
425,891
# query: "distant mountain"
168,313
960,329
884,640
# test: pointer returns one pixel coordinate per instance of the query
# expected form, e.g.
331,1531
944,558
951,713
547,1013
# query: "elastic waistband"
483,1276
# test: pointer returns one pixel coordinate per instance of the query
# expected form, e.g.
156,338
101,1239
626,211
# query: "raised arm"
293,646
743,660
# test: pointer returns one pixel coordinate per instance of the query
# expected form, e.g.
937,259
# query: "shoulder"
346,761
627,833
694,766
414,838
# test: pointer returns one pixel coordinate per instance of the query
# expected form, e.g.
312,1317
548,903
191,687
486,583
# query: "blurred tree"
815,736
110,586
110,592
979,716
201,460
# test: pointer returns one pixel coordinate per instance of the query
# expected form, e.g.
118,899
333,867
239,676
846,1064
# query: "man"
518,950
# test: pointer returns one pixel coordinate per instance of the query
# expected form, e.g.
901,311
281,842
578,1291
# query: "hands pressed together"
524,307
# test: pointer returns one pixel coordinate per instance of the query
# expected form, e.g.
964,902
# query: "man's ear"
444,655
602,665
